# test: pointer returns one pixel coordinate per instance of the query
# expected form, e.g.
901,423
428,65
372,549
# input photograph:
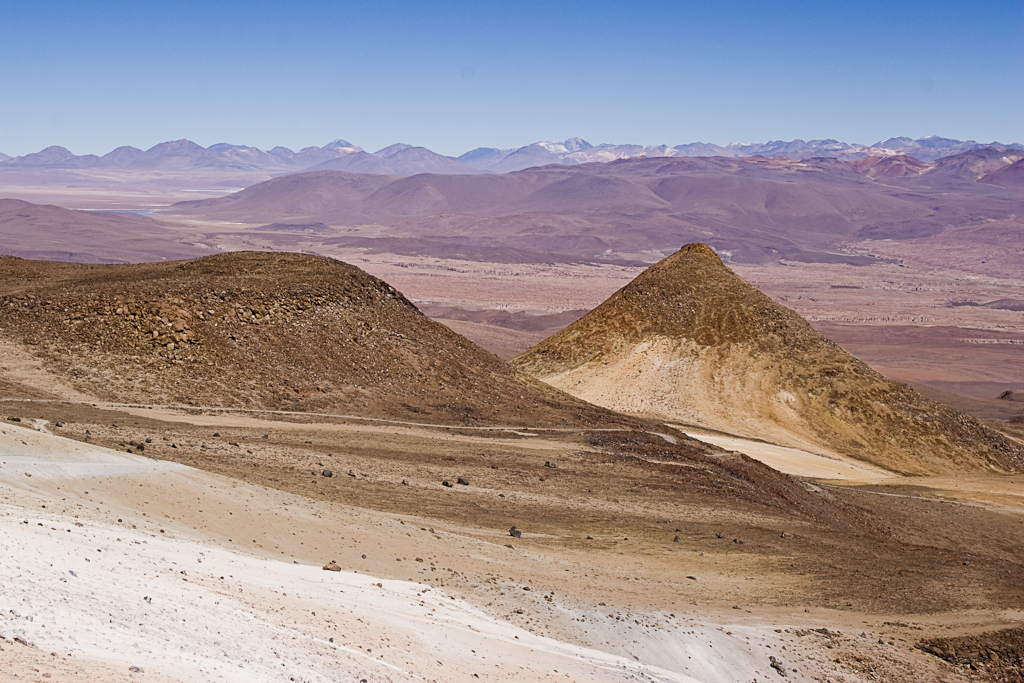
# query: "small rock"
351,473
136,669
677,540
464,482
332,566
550,464
446,483
737,541
515,533
777,665
327,473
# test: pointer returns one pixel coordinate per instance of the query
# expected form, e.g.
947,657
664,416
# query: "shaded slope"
265,330
689,340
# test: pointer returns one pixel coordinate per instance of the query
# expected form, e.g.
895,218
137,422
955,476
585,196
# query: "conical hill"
690,341
265,331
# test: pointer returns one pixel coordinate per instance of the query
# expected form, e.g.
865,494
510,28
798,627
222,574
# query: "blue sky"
453,76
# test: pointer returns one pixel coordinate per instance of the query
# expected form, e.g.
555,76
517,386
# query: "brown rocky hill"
690,341
265,330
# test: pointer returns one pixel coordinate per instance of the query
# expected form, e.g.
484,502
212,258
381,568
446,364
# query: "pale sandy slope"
105,563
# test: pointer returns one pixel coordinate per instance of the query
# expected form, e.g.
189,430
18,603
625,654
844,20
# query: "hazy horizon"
462,75
519,146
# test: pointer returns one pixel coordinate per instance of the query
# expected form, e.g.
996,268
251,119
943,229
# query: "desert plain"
170,539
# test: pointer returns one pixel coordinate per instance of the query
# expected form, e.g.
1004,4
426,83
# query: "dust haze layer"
690,341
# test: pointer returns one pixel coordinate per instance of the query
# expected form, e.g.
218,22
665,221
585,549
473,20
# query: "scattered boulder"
515,533
777,665
332,566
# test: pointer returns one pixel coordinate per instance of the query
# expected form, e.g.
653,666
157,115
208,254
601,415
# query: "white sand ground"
98,581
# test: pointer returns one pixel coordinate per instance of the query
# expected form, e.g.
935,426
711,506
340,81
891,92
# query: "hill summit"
690,341
261,330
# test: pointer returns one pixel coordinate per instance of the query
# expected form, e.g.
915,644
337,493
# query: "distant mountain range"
408,160
752,210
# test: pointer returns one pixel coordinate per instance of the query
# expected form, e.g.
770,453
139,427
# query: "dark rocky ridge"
266,330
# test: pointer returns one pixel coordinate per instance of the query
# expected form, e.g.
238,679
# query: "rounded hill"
265,330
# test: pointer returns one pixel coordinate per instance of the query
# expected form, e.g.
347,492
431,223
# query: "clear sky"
453,76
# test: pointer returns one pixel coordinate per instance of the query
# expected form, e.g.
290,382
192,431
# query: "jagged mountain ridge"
403,159
690,341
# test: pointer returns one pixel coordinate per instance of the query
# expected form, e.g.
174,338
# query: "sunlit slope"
689,340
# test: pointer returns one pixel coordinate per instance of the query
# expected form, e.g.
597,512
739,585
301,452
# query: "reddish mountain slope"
44,231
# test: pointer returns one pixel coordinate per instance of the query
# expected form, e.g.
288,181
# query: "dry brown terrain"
843,574
598,552
690,341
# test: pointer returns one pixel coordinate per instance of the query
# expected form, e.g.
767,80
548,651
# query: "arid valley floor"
176,536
